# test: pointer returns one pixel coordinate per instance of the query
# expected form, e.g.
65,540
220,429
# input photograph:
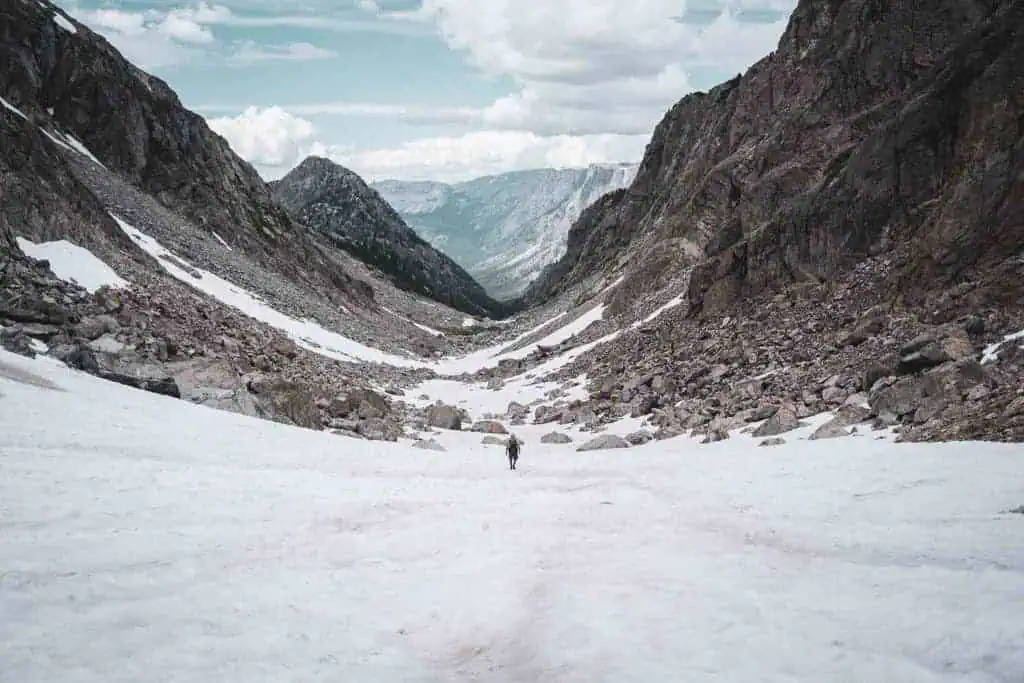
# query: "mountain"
873,127
76,85
335,202
504,229
841,225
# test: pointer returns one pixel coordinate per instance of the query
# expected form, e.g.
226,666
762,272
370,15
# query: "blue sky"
437,89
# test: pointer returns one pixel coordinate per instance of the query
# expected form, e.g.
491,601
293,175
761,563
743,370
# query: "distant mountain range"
504,229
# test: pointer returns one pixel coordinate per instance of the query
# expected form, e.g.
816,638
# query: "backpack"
513,447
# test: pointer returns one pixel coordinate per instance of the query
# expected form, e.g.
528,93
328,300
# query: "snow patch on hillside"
73,263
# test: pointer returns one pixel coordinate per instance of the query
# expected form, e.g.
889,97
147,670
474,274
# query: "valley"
767,382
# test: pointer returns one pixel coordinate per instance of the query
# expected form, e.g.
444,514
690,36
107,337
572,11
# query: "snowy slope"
504,229
149,539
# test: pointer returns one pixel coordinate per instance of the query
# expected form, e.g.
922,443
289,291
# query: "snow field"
145,538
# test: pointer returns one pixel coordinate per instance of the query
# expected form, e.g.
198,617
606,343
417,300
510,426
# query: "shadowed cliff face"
336,203
76,83
873,126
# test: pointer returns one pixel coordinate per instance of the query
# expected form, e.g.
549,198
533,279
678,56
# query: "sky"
443,90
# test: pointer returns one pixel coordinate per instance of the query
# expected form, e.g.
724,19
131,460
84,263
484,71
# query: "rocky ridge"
77,86
867,128
336,203
864,181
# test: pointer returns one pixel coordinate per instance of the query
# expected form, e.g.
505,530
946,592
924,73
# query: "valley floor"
144,538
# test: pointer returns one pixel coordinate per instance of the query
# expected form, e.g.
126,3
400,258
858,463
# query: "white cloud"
160,38
275,140
267,137
249,52
589,66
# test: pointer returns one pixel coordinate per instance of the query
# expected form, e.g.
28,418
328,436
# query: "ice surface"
147,539
73,263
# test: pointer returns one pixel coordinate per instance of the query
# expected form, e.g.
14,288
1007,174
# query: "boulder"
488,427
604,442
556,438
379,429
491,440
784,420
285,401
429,445
639,437
444,416
362,403
774,441
517,412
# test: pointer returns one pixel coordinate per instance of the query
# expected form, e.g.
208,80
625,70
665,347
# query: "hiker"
512,449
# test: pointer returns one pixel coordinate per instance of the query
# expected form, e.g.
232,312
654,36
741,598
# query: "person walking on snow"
512,449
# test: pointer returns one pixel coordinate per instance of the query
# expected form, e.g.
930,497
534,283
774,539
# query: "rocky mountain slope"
69,79
870,126
845,221
98,154
504,229
338,204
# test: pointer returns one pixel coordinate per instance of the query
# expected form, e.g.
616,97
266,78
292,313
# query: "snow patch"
72,263
75,144
221,240
7,105
63,23
304,333
991,352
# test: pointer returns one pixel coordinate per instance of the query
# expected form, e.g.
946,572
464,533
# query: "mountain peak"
336,202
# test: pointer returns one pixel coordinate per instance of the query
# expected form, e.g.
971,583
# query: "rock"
444,416
864,331
556,437
639,437
762,413
643,405
495,383
107,344
285,401
669,432
363,403
547,414
488,427
93,327
834,395
429,445
517,411
830,430
604,442
39,331
492,440
379,429
784,420
774,441
714,436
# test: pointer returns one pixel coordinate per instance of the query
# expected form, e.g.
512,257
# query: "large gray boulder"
604,442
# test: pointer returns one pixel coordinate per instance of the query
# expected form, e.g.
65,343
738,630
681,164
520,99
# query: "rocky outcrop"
872,128
336,203
84,94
